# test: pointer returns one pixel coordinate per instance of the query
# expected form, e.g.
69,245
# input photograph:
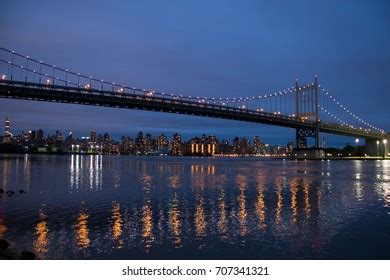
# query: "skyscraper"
139,143
162,142
177,146
7,130
93,136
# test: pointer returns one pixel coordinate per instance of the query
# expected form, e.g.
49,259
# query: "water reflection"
82,230
187,204
94,177
294,200
117,224
260,203
279,203
147,219
306,192
95,172
382,184
41,243
358,176
174,181
27,171
5,175
175,222
242,183
223,212
75,171
3,228
200,218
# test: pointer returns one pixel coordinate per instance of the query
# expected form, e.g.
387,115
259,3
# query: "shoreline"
215,156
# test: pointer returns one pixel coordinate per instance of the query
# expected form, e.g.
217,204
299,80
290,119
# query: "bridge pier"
378,147
306,108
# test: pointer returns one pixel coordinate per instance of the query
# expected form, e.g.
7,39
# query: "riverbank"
4,155
8,252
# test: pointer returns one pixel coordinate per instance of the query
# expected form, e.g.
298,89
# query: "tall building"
7,130
203,146
59,138
93,136
148,143
224,147
139,143
258,146
162,142
211,144
106,137
241,146
290,146
177,145
40,135
127,145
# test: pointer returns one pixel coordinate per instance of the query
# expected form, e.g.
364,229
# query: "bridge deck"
180,105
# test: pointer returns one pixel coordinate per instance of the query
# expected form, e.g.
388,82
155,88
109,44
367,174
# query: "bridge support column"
378,147
306,109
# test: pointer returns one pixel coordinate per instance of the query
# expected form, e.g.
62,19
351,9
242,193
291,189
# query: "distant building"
59,138
93,137
241,146
127,145
290,146
139,143
40,135
258,147
203,146
148,143
224,147
177,145
162,142
7,131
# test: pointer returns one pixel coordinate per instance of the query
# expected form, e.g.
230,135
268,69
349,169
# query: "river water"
121,207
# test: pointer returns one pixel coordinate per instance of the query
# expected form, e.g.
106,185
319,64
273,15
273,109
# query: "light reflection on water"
138,207
82,231
41,243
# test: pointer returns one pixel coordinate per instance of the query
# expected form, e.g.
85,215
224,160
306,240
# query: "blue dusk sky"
209,48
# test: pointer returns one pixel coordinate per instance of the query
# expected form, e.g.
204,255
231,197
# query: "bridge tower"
306,109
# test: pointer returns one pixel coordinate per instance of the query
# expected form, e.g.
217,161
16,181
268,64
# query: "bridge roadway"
165,103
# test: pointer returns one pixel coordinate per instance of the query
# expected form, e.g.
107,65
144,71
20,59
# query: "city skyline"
8,129
37,142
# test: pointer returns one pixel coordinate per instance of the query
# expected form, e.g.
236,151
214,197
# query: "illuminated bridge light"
338,114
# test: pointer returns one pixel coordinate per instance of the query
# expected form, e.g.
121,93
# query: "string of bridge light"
251,98
338,104
122,87
343,123
50,79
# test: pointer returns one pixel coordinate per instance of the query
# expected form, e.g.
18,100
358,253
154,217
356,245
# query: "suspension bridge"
308,108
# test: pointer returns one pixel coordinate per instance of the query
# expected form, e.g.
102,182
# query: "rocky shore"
8,253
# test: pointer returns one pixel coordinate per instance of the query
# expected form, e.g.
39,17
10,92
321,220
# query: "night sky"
208,48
